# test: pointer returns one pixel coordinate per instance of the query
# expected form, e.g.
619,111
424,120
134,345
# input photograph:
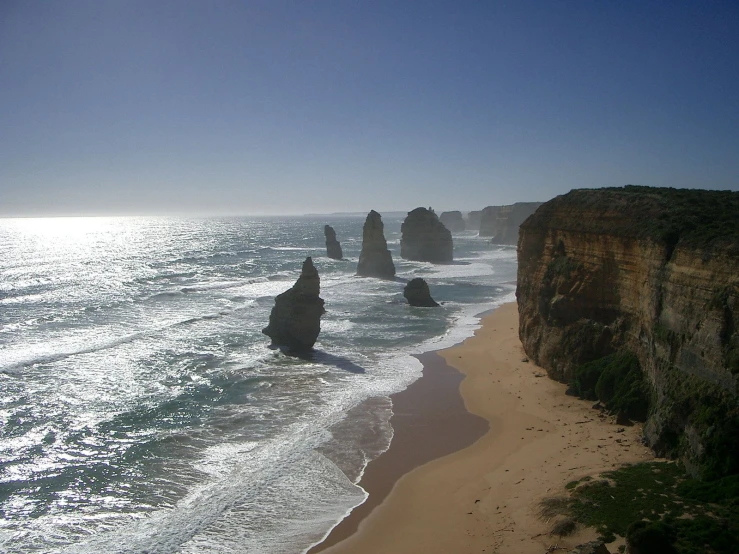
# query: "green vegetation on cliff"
705,219
655,505
617,381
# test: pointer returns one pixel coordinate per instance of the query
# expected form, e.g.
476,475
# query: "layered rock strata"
425,238
417,293
654,272
333,247
295,320
453,221
375,259
502,222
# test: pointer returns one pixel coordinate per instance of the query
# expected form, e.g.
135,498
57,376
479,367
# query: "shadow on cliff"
324,358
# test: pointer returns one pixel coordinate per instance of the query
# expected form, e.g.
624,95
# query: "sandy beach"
484,497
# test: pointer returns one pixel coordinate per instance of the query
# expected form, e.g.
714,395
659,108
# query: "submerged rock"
453,221
295,320
424,238
418,294
333,246
375,259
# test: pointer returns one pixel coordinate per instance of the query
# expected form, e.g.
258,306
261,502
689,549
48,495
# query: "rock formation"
653,273
472,221
333,247
502,222
453,221
295,320
418,294
375,259
424,238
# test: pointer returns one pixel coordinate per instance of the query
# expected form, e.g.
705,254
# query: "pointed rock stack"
375,259
424,238
295,320
333,246
418,294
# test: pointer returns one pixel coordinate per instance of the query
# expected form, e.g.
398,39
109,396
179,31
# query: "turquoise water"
141,409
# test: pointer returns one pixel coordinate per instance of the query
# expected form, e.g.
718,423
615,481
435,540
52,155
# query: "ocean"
142,410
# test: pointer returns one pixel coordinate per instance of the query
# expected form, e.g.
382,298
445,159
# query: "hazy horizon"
287,108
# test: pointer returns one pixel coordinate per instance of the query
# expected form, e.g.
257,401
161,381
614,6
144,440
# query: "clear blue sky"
253,107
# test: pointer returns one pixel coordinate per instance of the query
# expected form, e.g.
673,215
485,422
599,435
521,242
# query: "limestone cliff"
333,246
375,259
654,272
295,320
424,238
502,222
453,221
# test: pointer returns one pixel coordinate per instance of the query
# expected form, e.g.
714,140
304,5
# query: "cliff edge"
651,275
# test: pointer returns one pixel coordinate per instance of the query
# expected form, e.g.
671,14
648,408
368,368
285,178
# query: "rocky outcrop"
295,320
453,221
333,247
472,220
502,222
424,238
375,259
650,272
417,293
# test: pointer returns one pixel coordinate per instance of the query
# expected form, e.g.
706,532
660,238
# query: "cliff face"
654,272
424,238
375,259
472,220
502,222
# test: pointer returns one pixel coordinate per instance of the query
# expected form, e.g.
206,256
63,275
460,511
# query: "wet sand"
434,492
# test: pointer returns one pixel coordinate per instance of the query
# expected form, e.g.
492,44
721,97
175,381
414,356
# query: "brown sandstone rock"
375,259
333,247
502,222
418,294
453,221
424,238
295,320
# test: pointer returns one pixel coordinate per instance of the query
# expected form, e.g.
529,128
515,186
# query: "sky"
287,107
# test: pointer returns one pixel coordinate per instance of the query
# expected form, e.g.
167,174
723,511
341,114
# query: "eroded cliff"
502,222
652,272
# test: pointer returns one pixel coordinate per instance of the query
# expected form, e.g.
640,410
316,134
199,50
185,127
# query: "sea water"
142,410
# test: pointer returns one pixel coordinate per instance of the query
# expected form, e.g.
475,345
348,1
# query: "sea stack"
418,294
375,259
333,247
424,238
453,221
295,320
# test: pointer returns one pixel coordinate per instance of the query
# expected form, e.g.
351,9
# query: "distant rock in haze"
333,247
453,221
375,259
295,320
424,238
502,222
472,220
418,294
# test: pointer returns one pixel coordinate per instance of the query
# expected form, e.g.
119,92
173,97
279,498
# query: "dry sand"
484,498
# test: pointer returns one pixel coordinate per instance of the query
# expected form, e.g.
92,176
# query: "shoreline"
483,496
431,402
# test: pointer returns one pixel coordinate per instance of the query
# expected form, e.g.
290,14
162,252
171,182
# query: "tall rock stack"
333,247
424,238
295,320
375,259
453,221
